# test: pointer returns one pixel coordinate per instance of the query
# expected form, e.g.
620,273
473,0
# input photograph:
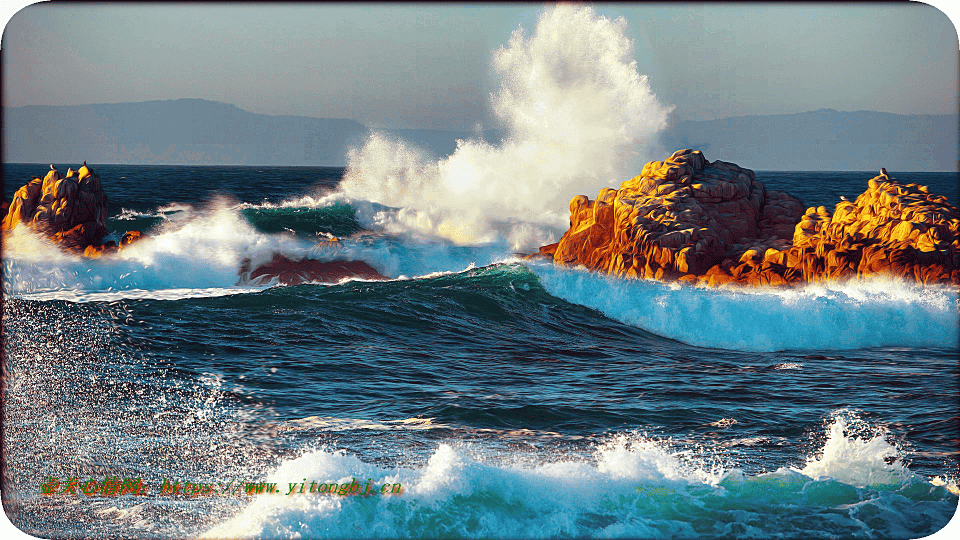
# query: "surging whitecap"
200,254
856,453
840,315
577,114
632,486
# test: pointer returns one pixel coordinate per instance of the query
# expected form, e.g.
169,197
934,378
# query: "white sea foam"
200,255
850,315
578,117
858,454
632,486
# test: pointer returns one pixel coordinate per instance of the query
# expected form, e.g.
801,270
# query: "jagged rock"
95,252
713,223
892,228
292,272
678,218
129,238
545,252
69,209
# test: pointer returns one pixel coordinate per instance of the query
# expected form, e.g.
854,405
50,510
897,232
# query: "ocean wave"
838,315
334,220
201,253
632,486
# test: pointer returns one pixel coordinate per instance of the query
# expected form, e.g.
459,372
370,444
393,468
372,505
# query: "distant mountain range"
202,132
190,132
182,131
825,140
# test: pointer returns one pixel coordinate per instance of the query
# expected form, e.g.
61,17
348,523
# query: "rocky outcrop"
692,220
69,209
897,229
292,272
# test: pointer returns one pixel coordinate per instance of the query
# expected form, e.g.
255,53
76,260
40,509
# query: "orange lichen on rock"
691,220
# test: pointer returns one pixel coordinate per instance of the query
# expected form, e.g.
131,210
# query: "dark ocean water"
508,398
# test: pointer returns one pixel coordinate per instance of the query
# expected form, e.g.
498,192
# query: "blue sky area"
429,66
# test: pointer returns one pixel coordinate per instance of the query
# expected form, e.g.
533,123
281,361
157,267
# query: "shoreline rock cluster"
71,211
695,221
684,219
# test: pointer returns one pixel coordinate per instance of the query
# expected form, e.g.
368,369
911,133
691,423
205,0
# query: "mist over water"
577,114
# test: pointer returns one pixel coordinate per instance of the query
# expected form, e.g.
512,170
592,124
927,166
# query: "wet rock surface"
289,271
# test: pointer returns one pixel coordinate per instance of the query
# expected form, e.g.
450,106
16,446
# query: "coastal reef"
712,223
70,210
292,271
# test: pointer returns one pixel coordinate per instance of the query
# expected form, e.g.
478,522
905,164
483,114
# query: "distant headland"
203,132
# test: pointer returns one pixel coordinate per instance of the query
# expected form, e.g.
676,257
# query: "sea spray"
201,252
632,486
858,454
576,113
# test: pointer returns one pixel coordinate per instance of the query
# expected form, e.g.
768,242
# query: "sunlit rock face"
69,209
697,221
898,229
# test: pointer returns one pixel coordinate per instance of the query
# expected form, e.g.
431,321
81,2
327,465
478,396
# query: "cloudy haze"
430,66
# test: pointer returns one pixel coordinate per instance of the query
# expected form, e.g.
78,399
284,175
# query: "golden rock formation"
692,220
69,209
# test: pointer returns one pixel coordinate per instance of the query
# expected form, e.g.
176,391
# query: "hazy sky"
429,66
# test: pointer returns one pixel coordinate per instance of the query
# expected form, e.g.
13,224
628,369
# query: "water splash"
577,114
631,486
203,249
858,454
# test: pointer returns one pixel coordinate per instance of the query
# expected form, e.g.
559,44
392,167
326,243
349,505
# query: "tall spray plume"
576,113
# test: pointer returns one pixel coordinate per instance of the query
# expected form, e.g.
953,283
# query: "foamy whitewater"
577,115
849,315
507,398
